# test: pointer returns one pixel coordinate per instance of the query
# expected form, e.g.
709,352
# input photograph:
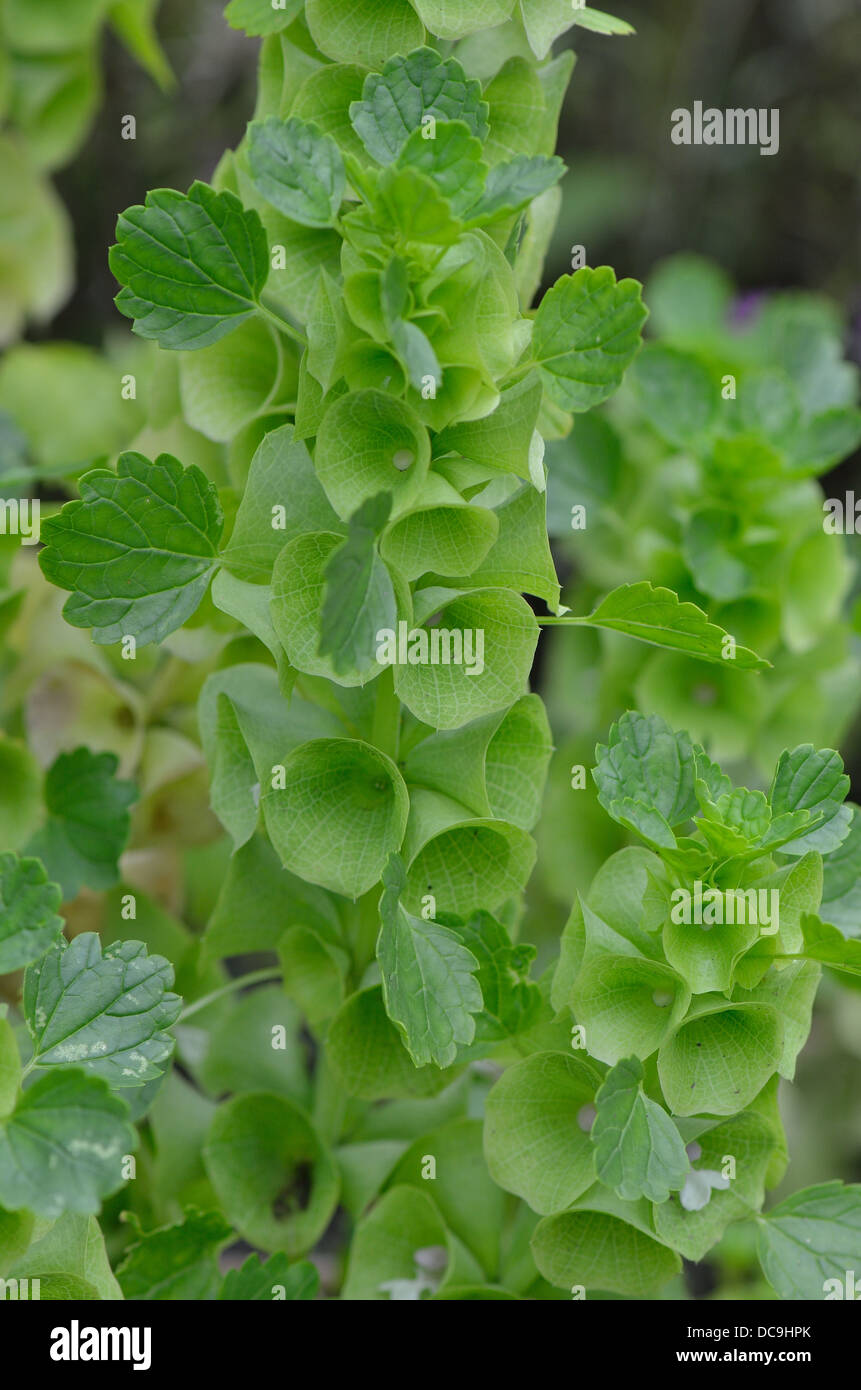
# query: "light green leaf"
263,1155
599,1252
296,606
627,1004
176,1262
137,550
72,1246
29,924
368,1057
495,766
659,617
55,26
325,98
638,1150
587,333
502,440
274,1278
841,888
518,111
496,634
599,22
448,538
466,864
261,17
359,598
365,31
454,19
533,1141
692,1229
192,265
811,1238
410,88
282,499
403,1223
520,557
297,169
370,443
721,1057
133,21
229,384
824,943
340,814
63,1146
88,821
428,978
315,970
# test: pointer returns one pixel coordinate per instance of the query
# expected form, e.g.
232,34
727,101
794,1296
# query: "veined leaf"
260,17
659,617
511,185
275,1278
587,333
429,982
422,84
29,923
62,1148
297,169
137,550
177,1261
638,1150
88,821
359,597
810,1241
812,780
106,1013
645,777
192,265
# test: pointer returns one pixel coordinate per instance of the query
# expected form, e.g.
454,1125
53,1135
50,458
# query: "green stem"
282,324
386,728
256,977
366,932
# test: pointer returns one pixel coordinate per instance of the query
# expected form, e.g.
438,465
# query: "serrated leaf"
451,159
811,1238
429,982
192,265
658,616
177,1261
638,1150
137,550
359,598
29,923
275,1278
408,89
297,169
63,1146
812,780
88,821
513,184
645,776
106,1013
511,1000
587,333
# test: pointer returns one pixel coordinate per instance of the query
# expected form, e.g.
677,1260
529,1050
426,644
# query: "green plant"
50,92
302,740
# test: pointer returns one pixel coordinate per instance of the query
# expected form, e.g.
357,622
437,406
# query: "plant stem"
282,324
256,977
366,932
386,728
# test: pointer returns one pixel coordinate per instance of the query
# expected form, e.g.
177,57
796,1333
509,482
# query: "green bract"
283,754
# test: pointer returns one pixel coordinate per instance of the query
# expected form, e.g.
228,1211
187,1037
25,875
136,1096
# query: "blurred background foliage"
631,198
